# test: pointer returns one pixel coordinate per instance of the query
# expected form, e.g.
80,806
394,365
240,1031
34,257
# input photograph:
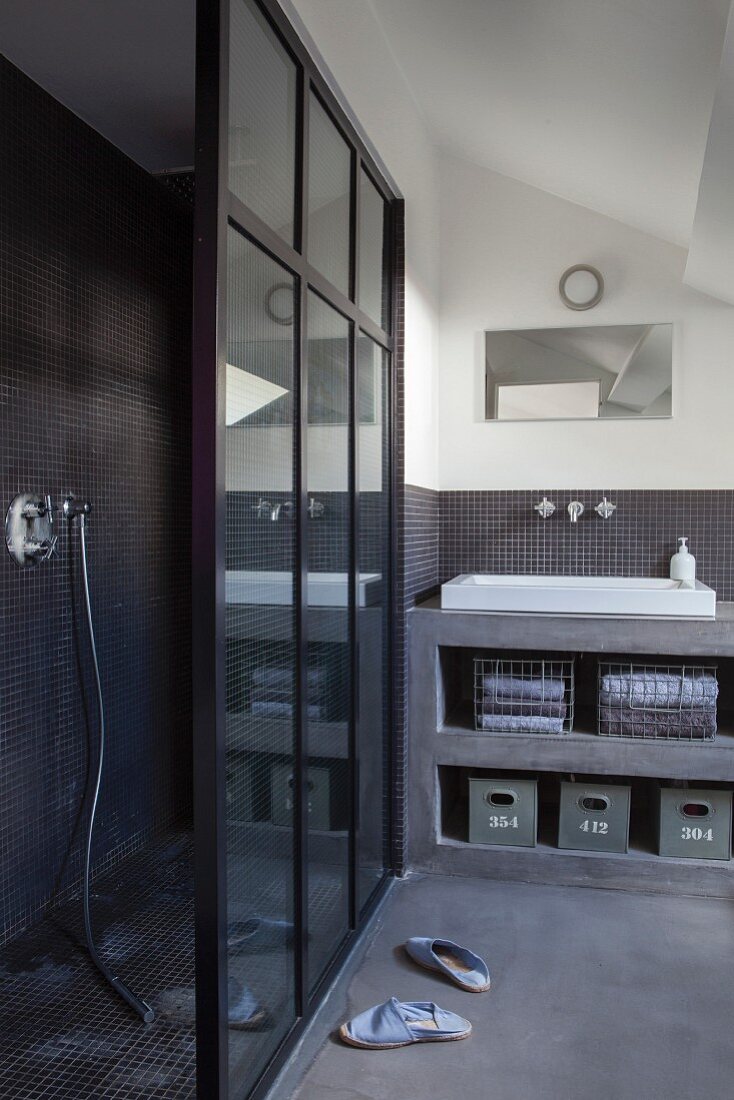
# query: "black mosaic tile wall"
94,399
400,655
257,542
499,532
421,527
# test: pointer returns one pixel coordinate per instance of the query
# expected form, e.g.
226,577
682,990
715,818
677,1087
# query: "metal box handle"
500,797
595,803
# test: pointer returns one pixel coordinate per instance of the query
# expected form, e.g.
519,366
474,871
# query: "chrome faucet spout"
575,509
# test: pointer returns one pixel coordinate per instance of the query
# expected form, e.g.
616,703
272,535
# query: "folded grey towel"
265,695
659,689
528,709
697,724
516,688
512,723
283,679
270,709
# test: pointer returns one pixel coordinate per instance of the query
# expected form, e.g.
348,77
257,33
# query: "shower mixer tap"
29,529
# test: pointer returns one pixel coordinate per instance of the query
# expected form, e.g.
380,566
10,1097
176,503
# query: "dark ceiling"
125,66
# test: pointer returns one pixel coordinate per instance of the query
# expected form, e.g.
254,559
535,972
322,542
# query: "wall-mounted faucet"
575,509
605,508
545,508
29,529
285,508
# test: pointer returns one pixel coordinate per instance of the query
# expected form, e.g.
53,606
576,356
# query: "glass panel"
262,119
373,287
373,600
329,174
329,532
260,673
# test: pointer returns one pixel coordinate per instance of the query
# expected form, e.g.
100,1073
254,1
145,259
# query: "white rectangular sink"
244,586
629,596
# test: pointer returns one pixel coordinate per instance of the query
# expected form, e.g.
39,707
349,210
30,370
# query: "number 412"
601,827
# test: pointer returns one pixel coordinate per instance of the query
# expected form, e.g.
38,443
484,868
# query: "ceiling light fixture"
581,287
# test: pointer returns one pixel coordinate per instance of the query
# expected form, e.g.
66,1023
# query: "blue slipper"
244,1011
461,965
402,1023
258,934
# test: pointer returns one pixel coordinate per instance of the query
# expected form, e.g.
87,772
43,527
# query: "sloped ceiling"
603,102
710,264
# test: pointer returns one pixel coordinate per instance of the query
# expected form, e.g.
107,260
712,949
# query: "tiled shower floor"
63,1033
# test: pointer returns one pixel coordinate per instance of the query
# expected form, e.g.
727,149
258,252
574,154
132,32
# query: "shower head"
74,507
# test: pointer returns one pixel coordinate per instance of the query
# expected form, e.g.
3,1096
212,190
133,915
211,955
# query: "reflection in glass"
262,119
587,372
373,287
329,186
373,550
548,400
328,636
260,667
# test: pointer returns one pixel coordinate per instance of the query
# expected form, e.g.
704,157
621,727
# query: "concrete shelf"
458,744
250,733
640,868
445,748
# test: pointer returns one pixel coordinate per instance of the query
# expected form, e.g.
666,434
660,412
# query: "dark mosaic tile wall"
258,542
94,399
402,600
421,528
499,532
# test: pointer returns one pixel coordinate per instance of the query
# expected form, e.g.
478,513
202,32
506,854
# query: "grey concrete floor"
596,993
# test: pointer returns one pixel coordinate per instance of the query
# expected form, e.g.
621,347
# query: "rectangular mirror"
599,371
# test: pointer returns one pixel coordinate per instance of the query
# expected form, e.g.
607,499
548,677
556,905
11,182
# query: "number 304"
601,827
695,833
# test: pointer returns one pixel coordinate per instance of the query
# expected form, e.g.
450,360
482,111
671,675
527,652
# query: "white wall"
504,245
353,46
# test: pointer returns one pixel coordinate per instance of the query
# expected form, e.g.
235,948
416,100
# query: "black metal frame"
216,210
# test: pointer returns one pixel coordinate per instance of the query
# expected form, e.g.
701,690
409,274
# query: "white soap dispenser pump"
683,564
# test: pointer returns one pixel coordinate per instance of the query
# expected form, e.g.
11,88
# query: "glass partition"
292,540
262,119
261,708
328,630
329,198
373,611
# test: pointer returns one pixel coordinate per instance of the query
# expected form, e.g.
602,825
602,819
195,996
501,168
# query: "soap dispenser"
683,564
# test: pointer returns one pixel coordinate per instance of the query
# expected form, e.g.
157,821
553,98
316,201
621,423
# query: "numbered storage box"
503,811
694,822
319,798
594,817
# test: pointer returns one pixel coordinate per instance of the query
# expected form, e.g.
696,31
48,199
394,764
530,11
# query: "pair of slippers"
403,1023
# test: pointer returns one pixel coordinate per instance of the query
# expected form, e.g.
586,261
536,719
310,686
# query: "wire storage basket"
523,694
659,702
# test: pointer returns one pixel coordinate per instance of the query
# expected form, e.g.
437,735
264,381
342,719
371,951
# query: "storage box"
282,795
594,817
241,777
503,811
694,822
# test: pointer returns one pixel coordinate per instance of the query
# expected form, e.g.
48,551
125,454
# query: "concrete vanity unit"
445,750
